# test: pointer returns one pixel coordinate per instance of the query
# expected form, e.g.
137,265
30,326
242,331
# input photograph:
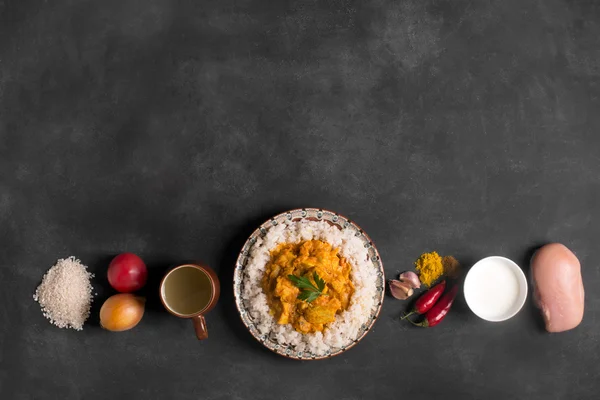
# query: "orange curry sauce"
303,259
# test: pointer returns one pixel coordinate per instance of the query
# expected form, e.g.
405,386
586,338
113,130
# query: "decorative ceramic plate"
299,215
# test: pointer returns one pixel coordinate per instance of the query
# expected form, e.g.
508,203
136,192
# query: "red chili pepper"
439,311
428,299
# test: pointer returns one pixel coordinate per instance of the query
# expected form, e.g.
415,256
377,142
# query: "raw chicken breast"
558,288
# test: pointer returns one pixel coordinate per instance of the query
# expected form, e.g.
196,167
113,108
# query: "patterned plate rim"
306,214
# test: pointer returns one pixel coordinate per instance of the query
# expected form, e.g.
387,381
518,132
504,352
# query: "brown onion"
122,312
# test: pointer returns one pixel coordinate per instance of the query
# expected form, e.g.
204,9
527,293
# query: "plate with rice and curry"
309,284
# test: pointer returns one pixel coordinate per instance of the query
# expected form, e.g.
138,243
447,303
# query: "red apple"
127,273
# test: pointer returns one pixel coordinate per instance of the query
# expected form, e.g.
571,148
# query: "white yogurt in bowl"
495,288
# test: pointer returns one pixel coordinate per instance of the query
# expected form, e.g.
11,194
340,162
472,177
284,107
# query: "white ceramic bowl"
495,288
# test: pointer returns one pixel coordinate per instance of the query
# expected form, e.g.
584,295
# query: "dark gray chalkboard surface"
173,128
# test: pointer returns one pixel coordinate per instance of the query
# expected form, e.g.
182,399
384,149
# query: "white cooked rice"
347,325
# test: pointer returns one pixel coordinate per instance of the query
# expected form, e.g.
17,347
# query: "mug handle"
200,327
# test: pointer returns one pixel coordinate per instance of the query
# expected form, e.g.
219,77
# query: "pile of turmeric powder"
431,267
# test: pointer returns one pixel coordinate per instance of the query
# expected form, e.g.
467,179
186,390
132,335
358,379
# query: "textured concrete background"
173,128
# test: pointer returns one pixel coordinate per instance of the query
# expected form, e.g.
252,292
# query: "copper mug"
190,291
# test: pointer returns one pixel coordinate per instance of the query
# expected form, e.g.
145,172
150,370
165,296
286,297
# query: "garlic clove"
400,290
411,278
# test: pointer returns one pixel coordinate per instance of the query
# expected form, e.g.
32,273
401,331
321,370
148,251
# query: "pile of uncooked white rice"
347,325
65,294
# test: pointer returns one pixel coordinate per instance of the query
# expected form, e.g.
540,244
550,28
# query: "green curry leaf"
309,292
302,282
308,296
320,282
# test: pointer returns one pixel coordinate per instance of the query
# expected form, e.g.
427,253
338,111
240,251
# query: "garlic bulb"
411,278
400,290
